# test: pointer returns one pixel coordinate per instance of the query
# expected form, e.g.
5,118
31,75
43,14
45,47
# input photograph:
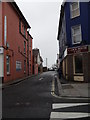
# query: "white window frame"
71,11
73,35
8,63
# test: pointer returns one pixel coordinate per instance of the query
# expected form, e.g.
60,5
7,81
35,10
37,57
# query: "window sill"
78,74
8,74
75,17
76,43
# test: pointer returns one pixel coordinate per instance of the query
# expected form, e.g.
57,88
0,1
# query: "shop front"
76,65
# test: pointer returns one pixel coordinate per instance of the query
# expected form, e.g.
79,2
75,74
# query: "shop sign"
77,49
18,65
1,50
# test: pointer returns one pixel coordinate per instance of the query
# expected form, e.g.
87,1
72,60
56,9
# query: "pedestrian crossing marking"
64,105
69,114
64,115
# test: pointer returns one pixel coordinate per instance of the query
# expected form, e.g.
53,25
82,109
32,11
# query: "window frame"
71,10
73,35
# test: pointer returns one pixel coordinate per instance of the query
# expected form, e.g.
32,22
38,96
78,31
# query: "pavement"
73,89
15,81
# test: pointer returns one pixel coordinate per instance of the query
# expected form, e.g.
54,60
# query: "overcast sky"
43,18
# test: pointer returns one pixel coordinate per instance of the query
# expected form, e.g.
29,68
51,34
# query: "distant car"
50,69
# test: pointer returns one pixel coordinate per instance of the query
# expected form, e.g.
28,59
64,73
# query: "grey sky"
43,18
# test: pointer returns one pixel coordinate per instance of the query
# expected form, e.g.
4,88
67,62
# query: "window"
76,34
24,66
18,65
8,64
30,55
75,9
24,30
24,47
20,25
78,64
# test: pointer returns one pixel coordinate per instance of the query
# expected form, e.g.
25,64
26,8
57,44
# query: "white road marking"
66,115
64,105
41,79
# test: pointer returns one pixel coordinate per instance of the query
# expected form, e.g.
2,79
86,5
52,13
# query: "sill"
75,17
78,74
8,74
76,43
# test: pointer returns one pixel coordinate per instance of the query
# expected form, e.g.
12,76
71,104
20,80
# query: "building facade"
15,43
37,62
74,40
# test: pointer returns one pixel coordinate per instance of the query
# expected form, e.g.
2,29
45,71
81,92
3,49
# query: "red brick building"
15,43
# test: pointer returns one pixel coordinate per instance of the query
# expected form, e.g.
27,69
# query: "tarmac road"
32,99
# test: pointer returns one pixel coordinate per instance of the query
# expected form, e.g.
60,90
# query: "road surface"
32,99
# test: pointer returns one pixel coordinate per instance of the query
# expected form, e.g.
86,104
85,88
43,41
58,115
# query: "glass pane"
75,13
77,30
74,5
76,38
78,64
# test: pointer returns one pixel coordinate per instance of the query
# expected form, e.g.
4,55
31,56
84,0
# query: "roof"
16,8
41,59
29,34
35,51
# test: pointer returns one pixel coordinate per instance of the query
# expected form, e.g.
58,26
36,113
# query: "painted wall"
30,56
89,20
82,19
0,24
16,44
62,37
